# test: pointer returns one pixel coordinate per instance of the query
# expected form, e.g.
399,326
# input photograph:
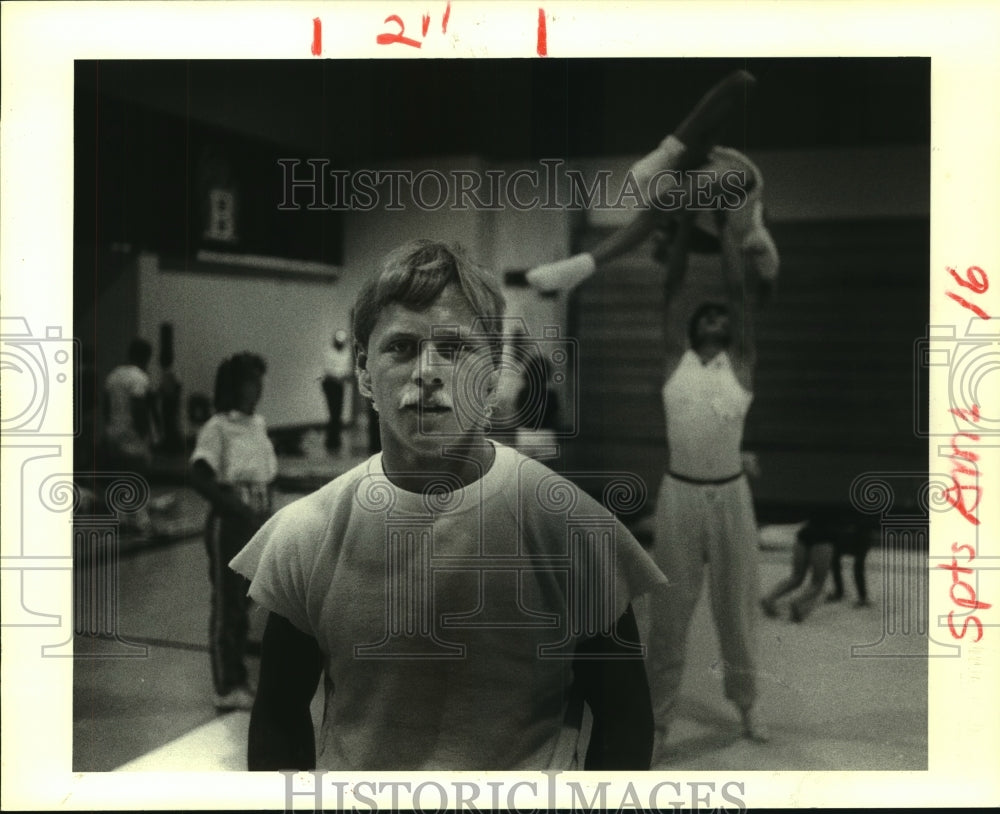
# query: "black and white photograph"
414,411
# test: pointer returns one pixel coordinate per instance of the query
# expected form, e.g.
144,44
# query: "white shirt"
123,384
237,448
339,364
706,408
434,612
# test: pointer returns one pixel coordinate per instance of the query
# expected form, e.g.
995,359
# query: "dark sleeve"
613,680
281,731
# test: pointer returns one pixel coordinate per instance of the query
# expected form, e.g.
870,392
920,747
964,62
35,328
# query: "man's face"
429,381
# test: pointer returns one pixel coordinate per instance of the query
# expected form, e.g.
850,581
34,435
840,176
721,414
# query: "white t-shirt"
124,383
706,408
237,448
339,364
448,622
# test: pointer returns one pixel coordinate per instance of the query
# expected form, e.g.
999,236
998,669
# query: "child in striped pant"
233,466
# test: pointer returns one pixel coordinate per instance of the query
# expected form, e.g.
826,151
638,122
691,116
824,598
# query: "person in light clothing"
130,425
233,466
461,600
704,510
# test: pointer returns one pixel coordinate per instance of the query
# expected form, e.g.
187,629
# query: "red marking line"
317,44
542,48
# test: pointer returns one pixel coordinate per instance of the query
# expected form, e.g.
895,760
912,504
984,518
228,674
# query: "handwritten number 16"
977,281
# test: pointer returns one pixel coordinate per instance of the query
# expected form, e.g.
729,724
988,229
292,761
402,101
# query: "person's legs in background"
852,539
838,578
677,550
129,456
735,587
800,565
820,555
862,542
333,389
228,624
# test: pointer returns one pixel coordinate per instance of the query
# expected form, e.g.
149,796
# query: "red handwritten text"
977,281
963,594
965,496
542,46
964,464
317,44
399,38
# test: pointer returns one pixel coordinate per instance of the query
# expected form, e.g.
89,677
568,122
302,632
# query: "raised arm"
742,307
281,731
749,259
675,339
656,175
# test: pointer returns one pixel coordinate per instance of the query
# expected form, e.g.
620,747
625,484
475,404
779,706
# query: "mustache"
438,399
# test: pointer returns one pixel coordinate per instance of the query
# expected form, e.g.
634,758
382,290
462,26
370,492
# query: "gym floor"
829,702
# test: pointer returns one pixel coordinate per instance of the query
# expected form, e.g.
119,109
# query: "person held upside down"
704,511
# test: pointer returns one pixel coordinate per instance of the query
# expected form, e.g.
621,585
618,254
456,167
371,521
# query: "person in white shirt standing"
233,466
704,509
130,422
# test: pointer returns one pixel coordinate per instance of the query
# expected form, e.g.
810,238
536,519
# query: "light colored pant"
699,525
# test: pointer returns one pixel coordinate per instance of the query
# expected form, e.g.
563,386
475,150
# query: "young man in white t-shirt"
461,600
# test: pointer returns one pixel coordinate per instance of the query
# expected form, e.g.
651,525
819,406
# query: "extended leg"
228,624
800,564
733,558
685,149
820,555
838,578
333,389
860,555
678,552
